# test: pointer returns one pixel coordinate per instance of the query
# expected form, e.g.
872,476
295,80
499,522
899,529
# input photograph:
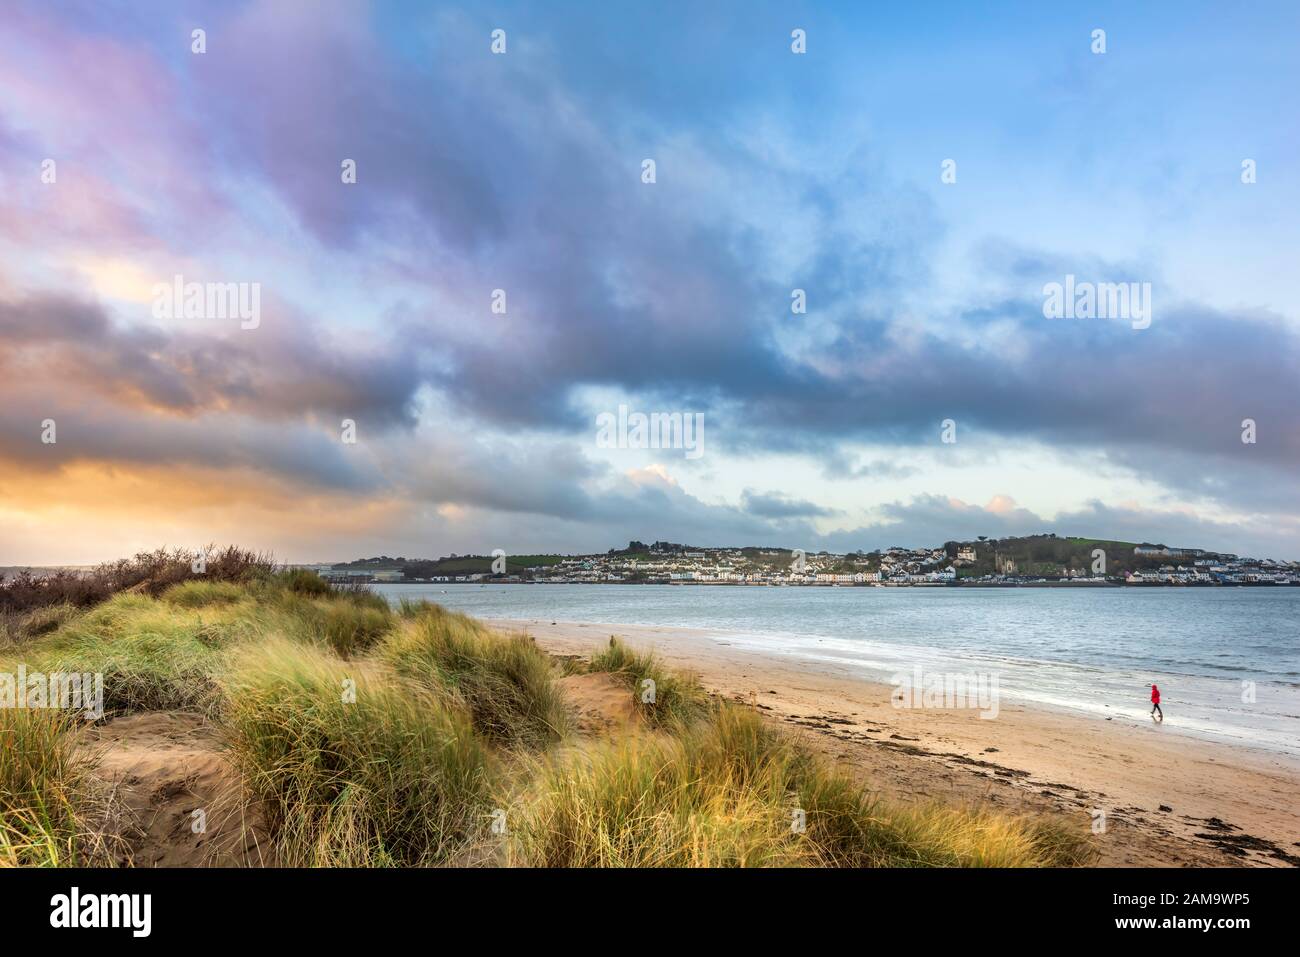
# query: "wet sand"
1167,799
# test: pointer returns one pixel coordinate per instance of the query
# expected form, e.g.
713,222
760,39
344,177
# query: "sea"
1227,660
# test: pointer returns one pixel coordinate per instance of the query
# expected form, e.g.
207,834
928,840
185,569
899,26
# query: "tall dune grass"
674,698
162,655
380,738
47,800
153,656
343,624
303,582
507,682
733,791
388,775
201,594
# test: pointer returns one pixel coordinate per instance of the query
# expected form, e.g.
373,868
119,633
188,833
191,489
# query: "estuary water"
1096,651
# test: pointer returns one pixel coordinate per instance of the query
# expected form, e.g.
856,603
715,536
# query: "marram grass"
357,765
671,697
506,682
348,622
47,799
370,737
154,656
730,791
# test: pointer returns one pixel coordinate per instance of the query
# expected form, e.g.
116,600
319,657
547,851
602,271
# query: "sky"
462,262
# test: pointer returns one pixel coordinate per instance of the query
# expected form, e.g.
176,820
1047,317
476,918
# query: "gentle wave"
1092,651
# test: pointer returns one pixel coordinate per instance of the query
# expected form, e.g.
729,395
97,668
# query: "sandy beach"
1168,799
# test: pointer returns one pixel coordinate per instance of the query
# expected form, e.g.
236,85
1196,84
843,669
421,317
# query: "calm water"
1093,651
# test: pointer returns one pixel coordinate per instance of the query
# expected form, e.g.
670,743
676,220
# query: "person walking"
1155,703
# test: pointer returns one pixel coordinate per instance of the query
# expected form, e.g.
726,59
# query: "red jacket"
1155,695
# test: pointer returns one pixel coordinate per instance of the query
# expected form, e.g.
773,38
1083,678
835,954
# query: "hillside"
1051,556
1032,556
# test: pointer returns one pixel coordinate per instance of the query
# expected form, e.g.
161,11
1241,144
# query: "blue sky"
521,171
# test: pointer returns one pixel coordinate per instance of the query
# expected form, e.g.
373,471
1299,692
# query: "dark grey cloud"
477,172
839,464
642,289
287,368
116,436
777,505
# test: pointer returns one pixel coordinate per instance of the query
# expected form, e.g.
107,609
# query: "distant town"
1029,561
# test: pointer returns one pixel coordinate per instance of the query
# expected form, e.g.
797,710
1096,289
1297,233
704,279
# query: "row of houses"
1210,572
893,566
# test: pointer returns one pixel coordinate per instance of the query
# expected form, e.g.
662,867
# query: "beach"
1154,797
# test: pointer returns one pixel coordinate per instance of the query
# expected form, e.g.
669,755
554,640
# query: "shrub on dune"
17,628
506,681
150,572
363,597
155,572
372,773
303,582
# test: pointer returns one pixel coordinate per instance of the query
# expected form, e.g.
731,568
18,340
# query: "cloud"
664,292
521,173
777,505
284,369
837,464
933,519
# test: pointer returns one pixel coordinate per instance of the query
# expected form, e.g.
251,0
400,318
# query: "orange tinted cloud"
86,513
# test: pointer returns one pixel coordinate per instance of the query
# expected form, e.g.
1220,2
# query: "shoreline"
1033,583
1227,804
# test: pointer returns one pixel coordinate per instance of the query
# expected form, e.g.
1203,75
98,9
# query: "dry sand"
1168,799
163,767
